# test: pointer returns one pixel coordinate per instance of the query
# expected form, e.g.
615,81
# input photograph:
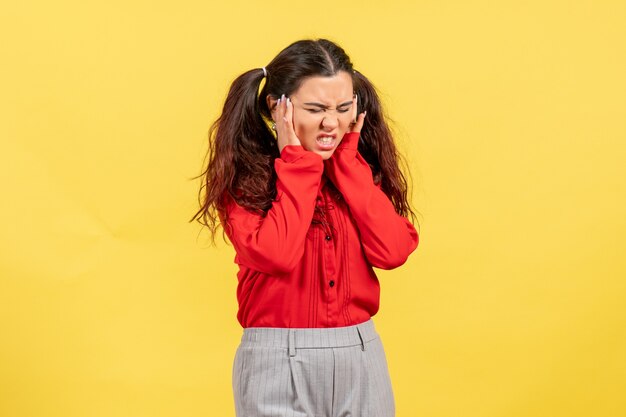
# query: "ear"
271,102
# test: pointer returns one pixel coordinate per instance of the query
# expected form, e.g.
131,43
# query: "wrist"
350,141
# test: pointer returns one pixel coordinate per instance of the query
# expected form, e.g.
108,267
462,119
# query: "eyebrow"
325,107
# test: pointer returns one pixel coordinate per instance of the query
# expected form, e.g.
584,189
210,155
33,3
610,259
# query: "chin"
325,154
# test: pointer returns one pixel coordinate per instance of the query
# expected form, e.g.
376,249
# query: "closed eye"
320,110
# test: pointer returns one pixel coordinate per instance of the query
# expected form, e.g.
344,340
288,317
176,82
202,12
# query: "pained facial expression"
323,108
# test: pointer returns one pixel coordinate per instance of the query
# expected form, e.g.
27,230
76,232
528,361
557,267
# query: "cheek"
345,120
305,126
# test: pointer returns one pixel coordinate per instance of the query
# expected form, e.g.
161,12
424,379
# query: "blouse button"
328,237
331,283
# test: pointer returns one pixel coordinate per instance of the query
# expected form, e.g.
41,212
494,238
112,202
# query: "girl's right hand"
285,133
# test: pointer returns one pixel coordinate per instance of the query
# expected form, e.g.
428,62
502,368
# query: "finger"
288,111
285,104
289,117
355,102
285,115
359,122
281,106
293,123
289,114
280,113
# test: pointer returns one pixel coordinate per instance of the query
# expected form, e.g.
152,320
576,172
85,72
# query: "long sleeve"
387,237
274,243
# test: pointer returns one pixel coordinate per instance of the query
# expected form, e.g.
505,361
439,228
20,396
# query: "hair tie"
264,72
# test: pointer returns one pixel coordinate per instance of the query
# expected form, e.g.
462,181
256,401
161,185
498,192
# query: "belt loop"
292,342
360,337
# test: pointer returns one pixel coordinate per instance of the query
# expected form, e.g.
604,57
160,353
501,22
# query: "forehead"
326,89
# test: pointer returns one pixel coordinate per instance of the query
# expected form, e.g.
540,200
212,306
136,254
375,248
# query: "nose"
330,122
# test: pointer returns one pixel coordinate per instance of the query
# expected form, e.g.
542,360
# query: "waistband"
309,338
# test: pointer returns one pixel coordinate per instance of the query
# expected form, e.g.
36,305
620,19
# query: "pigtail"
241,148
378,147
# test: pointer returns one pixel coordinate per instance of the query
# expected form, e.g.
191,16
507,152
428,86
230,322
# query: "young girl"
311,205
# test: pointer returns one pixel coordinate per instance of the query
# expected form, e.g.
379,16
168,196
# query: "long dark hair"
242,148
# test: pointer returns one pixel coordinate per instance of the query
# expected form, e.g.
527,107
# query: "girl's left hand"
357,122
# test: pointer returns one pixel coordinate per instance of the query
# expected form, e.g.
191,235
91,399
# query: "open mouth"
326,141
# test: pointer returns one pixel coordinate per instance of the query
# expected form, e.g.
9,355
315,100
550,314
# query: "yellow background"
512,115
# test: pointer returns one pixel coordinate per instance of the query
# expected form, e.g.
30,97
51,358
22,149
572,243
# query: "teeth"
325,139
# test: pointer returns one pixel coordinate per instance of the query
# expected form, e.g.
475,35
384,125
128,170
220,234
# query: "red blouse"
308,262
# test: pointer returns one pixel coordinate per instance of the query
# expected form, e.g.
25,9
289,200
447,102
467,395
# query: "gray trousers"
312,372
